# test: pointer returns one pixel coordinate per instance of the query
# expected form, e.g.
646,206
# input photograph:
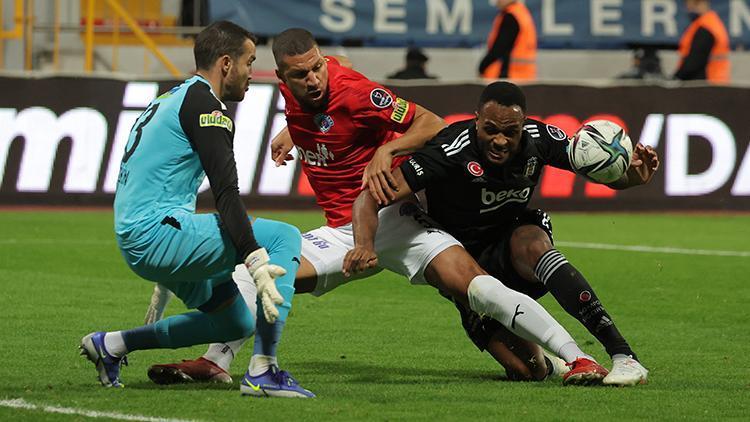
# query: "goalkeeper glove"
265,275
159,301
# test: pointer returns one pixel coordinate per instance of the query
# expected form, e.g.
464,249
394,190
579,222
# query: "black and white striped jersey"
471,198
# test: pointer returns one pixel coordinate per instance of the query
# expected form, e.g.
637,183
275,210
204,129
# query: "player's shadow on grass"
369,373
351,372
147,385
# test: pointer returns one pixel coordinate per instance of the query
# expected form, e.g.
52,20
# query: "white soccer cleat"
559,368
626,371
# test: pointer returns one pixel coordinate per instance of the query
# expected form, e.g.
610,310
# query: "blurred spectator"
704,46
416,62
646,65
511,44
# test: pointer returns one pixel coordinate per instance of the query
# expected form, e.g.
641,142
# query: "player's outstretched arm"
643,165
365,225
377,176
281,144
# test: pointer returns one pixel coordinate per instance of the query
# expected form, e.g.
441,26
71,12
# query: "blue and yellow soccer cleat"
92,346
273,383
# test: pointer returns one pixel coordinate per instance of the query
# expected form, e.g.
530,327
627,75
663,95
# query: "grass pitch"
380,349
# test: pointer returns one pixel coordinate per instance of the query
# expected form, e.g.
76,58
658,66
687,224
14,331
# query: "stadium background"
69,93
700,131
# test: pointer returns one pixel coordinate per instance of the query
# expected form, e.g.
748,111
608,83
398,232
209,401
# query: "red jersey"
336,143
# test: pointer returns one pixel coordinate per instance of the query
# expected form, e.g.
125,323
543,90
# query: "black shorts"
494,255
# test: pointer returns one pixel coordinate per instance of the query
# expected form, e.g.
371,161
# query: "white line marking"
655,249
23,404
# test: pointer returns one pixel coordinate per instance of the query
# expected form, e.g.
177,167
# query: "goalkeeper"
183,136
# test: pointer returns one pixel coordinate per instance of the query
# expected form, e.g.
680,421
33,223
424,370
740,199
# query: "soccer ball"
600,151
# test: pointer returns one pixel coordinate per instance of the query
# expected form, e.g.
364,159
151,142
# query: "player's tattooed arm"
643,165
281,145
365,225
378,176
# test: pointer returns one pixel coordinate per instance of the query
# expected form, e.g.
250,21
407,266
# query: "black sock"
577,297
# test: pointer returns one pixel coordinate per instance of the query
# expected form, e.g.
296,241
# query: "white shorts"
403,244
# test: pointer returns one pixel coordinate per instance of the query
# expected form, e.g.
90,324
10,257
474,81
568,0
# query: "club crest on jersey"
216,119
474,168
400,108
380,98
530,167
556,133
323,121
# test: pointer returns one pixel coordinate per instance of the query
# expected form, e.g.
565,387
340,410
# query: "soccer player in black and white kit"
478,176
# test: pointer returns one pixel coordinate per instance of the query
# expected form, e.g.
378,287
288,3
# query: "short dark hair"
503,93
218,39
292,42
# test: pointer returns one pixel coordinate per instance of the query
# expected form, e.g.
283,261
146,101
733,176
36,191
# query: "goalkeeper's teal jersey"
182,137
159,170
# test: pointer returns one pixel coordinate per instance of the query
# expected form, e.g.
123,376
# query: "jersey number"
147,116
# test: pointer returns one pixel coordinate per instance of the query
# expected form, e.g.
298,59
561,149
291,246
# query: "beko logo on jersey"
316,158
498,199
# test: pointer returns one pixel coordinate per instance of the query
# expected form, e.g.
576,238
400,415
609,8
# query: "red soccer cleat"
199,370
584,372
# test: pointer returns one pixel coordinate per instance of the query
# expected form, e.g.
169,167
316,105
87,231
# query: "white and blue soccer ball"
600,151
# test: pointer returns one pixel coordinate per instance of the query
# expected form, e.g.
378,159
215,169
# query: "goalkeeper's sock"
259,364
521,315
267,337
284,245
188,329
576,296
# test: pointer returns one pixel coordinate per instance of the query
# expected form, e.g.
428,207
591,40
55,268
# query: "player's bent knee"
235,322
242,327
287,232
486,293
528,244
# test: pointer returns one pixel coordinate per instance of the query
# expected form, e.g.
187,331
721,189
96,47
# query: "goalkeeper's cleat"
559,367
626,371
584,371
92,346
273,383
199,370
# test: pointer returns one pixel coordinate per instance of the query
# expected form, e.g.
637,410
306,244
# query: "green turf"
381,349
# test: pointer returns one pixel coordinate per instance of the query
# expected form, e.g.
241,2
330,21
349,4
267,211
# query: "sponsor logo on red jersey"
316,158
400,108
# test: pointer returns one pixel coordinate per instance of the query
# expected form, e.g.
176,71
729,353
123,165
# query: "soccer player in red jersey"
347,131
